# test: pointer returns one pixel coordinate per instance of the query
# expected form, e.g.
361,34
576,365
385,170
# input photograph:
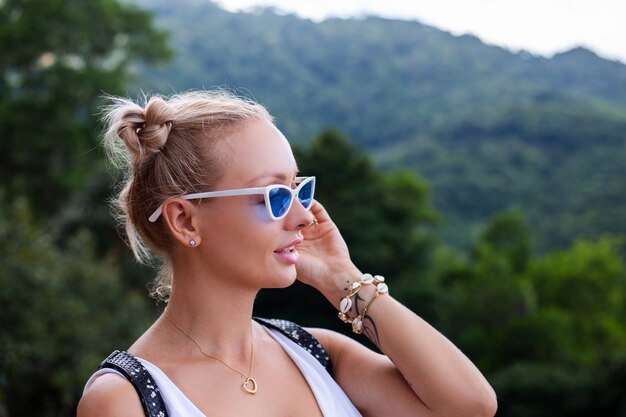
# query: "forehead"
255,152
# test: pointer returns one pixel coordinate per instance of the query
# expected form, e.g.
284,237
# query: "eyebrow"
280,176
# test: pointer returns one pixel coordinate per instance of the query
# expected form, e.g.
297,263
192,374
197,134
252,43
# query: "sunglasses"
278,198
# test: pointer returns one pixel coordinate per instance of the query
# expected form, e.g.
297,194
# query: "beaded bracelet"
346,303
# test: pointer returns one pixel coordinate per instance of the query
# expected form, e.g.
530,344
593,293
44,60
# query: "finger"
313,223
319,212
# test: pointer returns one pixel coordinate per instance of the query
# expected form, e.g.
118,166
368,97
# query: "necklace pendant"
249,385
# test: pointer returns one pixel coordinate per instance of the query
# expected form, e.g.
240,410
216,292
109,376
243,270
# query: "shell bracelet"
346,302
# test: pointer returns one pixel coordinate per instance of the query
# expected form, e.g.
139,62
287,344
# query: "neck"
215,312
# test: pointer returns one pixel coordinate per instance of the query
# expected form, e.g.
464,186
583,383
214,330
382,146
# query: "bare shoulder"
110,395
328,338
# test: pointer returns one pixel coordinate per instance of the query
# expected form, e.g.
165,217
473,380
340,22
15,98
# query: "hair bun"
143,131
156,129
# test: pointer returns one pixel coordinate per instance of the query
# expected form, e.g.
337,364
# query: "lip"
294,243
288,254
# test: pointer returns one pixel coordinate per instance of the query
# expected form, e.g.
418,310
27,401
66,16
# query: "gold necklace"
249,384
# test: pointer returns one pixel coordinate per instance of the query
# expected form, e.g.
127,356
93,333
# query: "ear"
181,217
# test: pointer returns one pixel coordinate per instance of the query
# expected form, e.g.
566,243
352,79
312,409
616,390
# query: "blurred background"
487,184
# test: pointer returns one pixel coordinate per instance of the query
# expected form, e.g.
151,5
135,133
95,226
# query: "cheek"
244,229
260,213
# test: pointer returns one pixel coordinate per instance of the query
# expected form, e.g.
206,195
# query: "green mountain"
489,129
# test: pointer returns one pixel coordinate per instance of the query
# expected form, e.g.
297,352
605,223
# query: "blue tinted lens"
306,195
280,199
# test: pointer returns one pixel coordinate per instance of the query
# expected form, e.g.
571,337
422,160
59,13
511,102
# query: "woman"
261,229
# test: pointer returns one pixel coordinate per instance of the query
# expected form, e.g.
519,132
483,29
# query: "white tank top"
331,399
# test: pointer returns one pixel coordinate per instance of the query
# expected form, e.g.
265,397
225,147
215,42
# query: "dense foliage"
511,148
63,310
58,57
64,303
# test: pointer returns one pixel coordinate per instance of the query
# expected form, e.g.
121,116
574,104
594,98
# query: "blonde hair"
166,147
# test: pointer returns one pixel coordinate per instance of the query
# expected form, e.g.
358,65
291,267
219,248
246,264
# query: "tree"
507,234
487,302
544,329
583,291
63,310
58,57
386,218
543,390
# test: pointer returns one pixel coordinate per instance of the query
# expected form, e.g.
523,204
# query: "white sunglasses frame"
248,191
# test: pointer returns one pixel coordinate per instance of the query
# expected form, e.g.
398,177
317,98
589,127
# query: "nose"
298,216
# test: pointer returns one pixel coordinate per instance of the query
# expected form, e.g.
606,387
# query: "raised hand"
324,256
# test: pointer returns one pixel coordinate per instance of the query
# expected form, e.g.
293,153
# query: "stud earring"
192,243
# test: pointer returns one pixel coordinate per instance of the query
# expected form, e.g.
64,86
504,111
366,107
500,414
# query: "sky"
542,27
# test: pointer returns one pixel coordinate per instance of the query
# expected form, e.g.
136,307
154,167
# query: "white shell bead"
379,278
345,305
382,288
357,324
367,279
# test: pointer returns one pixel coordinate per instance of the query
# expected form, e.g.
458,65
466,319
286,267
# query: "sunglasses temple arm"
157,213
228,193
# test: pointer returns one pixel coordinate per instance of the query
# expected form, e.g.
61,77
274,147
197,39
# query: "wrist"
338,284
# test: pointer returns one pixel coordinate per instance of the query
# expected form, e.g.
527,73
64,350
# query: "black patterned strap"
301,337
138,375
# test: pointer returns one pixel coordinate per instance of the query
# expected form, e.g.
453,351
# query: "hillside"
489,129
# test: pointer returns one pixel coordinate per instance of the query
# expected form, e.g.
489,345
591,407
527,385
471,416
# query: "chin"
283,279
